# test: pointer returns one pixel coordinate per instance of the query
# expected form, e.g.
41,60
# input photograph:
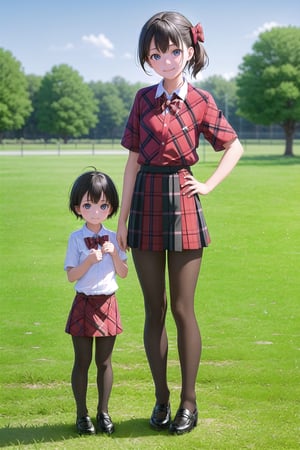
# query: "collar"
89,233
180,92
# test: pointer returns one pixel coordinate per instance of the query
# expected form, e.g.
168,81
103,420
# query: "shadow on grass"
269,160
25,435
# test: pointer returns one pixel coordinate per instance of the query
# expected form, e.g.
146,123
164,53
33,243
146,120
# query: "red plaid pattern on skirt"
161,218
94,316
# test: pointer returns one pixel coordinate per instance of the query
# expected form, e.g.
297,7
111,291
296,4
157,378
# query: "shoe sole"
86,433
162,427
109,432
183,431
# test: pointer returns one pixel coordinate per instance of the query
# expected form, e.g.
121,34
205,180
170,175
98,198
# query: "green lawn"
247,304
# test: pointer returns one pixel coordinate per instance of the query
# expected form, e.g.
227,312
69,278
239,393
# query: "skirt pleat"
94,316
161,218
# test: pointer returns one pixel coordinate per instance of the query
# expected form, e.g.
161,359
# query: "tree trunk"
289,130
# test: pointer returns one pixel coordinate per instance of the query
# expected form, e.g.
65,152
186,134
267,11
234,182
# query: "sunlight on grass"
247,305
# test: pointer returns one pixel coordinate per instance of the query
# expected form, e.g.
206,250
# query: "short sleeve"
215,127
72,254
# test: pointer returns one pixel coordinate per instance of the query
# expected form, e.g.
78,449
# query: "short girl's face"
93,213
171,63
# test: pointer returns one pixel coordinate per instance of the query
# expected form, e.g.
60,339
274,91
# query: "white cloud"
127,55
107,53
267,26
101,42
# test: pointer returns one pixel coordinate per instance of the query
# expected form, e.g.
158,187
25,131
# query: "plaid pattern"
94,316
162,218
168,139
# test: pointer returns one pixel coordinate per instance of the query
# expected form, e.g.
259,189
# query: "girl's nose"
97,210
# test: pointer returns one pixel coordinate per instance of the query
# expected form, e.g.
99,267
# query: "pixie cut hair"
94,184
166,27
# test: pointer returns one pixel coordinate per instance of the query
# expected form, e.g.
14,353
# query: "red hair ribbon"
197,33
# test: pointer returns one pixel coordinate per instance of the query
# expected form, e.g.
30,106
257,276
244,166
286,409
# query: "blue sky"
99,39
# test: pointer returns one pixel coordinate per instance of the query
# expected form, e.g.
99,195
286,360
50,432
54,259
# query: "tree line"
263,100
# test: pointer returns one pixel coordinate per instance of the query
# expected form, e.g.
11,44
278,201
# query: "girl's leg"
104,348
150,268
83,347
184,270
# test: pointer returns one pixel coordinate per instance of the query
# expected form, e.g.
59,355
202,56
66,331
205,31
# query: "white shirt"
100,279
181,92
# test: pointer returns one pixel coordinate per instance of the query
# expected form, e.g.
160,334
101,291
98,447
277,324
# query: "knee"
178,314
82,363
103,365
182,315
155,314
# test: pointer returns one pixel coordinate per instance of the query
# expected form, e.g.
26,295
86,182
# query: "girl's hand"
108,247
192,187
95,256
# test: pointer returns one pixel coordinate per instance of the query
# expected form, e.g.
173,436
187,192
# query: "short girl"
93,260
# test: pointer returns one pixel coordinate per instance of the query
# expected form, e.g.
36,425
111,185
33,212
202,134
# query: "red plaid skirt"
94,316
161,218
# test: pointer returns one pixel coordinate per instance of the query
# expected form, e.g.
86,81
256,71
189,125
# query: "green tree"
224,93
30,128
112,112
126,90
269,82
66,105
15,105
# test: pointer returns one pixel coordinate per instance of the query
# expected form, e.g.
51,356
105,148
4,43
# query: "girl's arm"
120,266
233,152
74,273
131,169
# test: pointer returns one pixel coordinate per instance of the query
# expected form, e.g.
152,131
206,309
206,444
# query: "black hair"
94,183
171,26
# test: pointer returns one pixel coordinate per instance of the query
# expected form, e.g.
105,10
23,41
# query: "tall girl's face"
171,63
93,213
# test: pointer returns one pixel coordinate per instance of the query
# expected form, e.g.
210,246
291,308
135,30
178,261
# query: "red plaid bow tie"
173,105
93,242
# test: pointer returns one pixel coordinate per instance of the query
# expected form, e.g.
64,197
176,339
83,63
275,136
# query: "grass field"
247,305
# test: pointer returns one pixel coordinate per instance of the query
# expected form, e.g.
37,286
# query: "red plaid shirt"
163,139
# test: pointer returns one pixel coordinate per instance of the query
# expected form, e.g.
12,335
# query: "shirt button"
165,124
162,143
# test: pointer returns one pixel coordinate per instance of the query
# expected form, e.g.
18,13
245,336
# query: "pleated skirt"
161,218
94,316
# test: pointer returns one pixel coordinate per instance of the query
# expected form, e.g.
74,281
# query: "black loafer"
104,423
84,425
161,417
184,421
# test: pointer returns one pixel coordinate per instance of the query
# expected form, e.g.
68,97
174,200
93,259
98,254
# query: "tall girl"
166,229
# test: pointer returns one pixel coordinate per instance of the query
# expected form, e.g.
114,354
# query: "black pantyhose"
183,271
83,347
